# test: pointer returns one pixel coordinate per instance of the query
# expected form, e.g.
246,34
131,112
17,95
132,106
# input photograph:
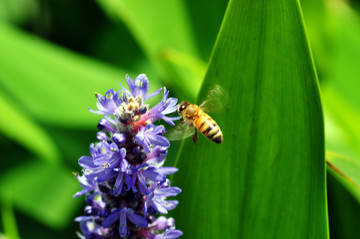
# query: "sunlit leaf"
8,220
342,139
334,35
267,179
42,191
18,126
18,10
54,85
159,25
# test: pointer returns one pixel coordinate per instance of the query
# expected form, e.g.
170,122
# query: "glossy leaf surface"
267,179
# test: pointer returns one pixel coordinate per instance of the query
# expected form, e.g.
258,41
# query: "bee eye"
182,108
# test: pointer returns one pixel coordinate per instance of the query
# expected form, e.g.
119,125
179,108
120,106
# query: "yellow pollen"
151,129
98,198
109,96
136,118
139,83
91,226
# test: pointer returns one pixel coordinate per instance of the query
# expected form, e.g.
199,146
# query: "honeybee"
194,118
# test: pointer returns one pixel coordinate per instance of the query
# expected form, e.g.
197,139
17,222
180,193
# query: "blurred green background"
54,54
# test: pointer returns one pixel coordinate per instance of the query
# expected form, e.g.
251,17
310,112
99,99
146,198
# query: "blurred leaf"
9,221
17,125
43,191
267,179
341,168
320,30
348,167
17,10
342,139
345,72
206,22
158,25
335,35
194,65
54,85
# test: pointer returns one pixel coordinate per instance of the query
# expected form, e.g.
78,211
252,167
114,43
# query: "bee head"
183,106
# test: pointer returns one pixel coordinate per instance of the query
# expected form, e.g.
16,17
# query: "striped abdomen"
208,127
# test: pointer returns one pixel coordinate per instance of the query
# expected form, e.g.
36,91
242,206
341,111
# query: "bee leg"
195,137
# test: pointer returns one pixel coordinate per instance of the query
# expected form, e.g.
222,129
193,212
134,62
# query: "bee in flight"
194,118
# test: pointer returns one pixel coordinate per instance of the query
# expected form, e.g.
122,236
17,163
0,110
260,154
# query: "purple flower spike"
101,136
162,223
151,136
86,184
107,104
106,125
139,87
168,234
119,138
123,179
156,199
141,174
159,111
157,156
124,214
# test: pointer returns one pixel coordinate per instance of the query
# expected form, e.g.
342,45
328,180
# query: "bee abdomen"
208,127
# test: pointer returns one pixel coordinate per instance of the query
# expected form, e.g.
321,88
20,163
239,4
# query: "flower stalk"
123,178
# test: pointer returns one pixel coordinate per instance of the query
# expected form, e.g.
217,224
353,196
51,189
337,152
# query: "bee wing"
180,132
215,100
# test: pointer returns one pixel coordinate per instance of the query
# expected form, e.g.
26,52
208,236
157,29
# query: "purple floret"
107,104
165,107
139,87
123,178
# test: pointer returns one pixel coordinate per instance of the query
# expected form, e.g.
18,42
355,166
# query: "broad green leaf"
267,179
43,191
8,220
54,85
18,126
157,26
342,139
334,36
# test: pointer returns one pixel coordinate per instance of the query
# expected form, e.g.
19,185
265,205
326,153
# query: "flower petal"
171,234
109,220
142,184
166,170
152,175
86,162
123,226
137,220
167,192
